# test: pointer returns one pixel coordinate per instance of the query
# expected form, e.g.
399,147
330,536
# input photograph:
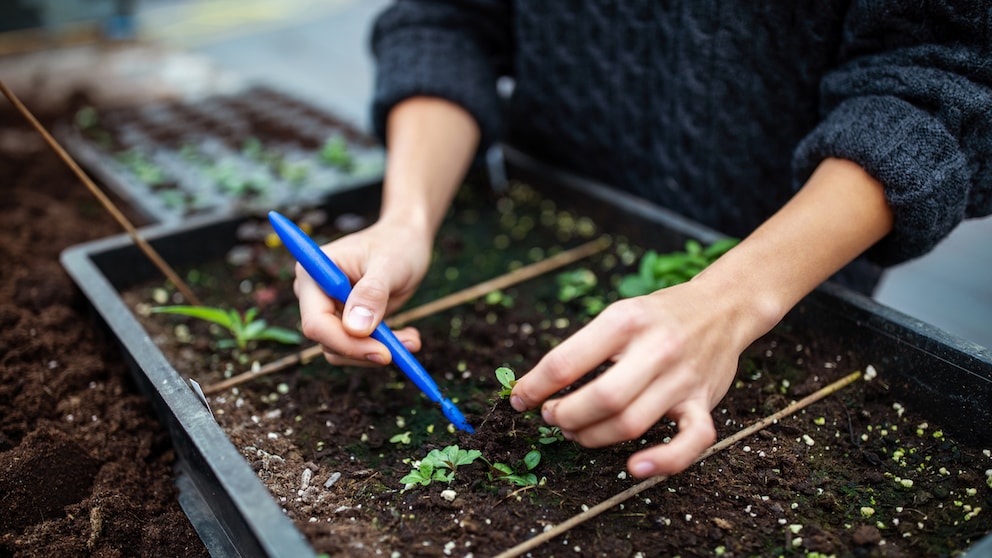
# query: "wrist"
750,304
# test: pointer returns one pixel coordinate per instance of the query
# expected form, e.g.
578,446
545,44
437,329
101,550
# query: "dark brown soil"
854,475
85,469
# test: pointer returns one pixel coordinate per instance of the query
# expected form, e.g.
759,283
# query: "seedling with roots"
243,328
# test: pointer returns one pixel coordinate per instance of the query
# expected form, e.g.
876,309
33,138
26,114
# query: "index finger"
573,358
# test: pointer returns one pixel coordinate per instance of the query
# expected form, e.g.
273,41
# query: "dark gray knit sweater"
720,110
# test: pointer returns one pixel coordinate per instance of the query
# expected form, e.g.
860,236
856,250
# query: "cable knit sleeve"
911,102
455,50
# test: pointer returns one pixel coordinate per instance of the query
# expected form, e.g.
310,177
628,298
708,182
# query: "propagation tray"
235,514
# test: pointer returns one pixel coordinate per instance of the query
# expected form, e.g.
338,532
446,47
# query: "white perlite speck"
335,476
449,495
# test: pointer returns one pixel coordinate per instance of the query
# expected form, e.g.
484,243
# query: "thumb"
366,306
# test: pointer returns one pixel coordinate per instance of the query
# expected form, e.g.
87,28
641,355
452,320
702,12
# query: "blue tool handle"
405,360
335,284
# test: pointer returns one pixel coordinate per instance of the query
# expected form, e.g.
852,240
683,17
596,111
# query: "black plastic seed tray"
246,152
236,515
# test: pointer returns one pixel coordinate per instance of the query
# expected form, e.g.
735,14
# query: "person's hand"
674,354
385,263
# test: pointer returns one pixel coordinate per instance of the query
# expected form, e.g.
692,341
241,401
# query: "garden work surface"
350,453
85,468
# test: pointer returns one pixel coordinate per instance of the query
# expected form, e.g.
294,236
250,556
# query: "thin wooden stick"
105,201
564,526
465,295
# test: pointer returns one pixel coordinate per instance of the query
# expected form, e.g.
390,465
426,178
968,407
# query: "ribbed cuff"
924,173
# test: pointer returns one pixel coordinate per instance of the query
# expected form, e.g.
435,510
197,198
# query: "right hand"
385,263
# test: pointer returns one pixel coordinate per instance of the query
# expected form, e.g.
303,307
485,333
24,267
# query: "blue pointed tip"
455,416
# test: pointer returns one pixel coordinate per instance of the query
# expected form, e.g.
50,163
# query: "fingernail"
359,319
375,357
642,469
409,345
517,403
568,435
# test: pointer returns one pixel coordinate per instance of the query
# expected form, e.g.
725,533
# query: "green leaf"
503,468
719,248
529,479
633,285
532,459
253,329
506,377
280,335
214,315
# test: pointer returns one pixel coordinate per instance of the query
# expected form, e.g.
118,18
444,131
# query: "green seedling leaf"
532,459
440,465
549,435
575,283
503,468
213,315
507,379
335,153
243,329
657,271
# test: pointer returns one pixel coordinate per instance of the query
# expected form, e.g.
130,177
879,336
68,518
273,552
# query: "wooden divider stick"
471,293
616,500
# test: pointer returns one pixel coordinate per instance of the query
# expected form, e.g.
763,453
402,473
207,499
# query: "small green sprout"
498,297
87,118
657,271
503,472
336,154
243,328
507,379
549,435
142,167
401,438
575,283
294,173
440,465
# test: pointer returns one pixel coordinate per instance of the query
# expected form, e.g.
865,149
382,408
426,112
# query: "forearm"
838,214
430,144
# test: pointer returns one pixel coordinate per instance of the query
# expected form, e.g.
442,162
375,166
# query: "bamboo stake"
619,498
105,201
471,293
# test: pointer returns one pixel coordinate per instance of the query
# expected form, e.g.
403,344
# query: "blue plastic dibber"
336,285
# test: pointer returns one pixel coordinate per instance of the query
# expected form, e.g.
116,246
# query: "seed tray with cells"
242,153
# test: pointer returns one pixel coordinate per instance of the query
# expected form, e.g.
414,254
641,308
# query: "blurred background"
134,51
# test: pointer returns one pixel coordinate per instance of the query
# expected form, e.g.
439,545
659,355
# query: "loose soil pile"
85,469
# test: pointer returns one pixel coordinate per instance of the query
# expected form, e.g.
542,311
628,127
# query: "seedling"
143,168
575,283
507,379
243,328
499,298
440,465
657,271
335,153
232,180
549,435
503,472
